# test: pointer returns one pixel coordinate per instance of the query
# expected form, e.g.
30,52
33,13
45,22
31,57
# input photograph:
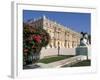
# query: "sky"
80,22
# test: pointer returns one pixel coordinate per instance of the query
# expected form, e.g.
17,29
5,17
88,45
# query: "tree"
33,40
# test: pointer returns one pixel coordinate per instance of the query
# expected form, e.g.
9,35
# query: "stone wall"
63,51
54,51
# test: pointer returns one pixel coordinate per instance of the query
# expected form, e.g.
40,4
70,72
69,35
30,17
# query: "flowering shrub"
34,39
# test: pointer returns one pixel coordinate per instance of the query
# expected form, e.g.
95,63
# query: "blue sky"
80,22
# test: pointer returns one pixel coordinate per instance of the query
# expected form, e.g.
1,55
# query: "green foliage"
34,37
33,40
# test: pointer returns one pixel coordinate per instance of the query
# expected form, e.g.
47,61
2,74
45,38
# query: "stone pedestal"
83,50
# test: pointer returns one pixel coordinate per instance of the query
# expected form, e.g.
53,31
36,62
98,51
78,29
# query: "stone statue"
84,47
84,41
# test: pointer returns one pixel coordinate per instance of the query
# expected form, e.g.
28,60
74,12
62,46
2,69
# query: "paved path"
57,64
60,63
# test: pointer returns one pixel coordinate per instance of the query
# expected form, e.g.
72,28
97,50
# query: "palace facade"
61,36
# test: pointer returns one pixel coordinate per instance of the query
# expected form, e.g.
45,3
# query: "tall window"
65,43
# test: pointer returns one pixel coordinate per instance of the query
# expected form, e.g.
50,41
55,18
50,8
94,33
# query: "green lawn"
54,58
82,63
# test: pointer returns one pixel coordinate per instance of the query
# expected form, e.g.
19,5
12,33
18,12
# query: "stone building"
61,36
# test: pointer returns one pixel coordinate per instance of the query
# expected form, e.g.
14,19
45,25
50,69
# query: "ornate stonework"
61,36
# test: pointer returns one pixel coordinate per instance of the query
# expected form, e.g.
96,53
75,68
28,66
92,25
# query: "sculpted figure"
84,41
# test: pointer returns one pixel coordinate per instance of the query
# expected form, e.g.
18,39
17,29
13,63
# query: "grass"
82,63
79,64
54,58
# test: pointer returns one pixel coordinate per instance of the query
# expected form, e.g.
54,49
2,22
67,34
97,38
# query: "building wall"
61,36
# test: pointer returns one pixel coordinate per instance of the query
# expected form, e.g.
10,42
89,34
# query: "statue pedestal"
83,50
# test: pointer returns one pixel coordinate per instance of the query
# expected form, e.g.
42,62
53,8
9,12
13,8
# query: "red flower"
37,38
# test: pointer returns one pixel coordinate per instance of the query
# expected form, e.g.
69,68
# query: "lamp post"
58,49
58,45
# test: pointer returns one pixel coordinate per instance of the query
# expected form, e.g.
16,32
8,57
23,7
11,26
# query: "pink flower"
37,38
